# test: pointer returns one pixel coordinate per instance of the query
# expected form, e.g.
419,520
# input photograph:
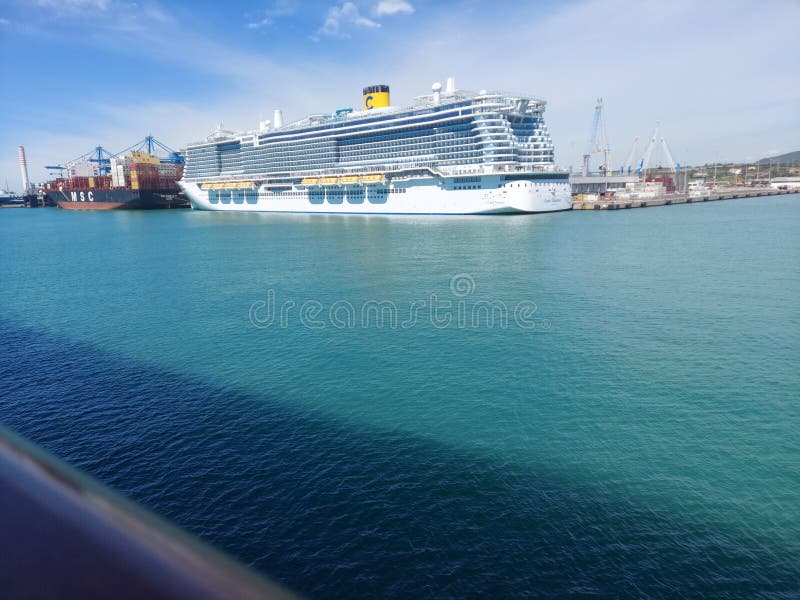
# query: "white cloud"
264,18
340,18
4,21
74,5
281,8
393,7
101,15
259,24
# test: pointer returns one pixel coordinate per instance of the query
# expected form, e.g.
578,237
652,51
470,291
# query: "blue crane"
99,155
59,168
102,157
149,144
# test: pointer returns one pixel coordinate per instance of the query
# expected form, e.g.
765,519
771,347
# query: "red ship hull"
93,205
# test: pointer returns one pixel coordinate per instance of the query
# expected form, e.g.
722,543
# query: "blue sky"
720,75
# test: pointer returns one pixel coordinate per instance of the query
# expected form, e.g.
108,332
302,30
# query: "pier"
677,198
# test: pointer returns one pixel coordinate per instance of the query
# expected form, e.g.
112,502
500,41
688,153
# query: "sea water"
599,403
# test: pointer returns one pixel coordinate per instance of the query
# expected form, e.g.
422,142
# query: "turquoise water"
632,430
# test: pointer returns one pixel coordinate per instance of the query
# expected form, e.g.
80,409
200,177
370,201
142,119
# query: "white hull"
492,195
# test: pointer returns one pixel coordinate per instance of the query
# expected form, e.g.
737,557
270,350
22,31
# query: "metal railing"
63,535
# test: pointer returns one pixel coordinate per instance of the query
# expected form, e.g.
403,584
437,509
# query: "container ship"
452,152
134,179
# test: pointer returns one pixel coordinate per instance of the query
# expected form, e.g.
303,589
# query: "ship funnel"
264,125
376,96
436,88
277,118
451,85
23,169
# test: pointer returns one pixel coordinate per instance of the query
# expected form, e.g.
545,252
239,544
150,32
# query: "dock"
677,198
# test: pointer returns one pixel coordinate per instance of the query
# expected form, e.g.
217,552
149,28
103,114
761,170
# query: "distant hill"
788,157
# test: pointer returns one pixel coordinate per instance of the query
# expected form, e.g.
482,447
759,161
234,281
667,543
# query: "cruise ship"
452,152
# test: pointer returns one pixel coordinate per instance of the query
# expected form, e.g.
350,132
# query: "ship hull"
493,195
120,199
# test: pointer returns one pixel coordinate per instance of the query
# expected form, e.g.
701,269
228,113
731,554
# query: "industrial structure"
97,162
657,141
627,180
28,193
23,169
598,142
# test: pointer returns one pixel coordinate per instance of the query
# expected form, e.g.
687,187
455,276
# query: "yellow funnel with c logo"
376,96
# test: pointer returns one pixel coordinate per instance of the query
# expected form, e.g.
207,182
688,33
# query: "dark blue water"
632,429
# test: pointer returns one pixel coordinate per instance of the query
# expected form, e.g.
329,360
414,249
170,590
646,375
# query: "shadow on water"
333,511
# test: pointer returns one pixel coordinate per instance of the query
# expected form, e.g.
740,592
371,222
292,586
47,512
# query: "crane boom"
668,155
102,157
590,146
598,140
604,146
149,145
629,161
648,151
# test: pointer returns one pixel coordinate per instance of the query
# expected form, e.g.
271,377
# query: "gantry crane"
149,145
598,141
656,140
628,165
103,157
99,155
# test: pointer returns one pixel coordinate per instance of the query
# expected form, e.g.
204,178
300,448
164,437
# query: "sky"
720,75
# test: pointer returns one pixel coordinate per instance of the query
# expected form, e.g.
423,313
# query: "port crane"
628,164
657,140
598,141
103,160
149,144
99,155
102,157
57,168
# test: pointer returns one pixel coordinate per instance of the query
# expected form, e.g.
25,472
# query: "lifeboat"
222,185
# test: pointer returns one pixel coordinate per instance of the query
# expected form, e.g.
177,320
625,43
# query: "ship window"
376,196
355,196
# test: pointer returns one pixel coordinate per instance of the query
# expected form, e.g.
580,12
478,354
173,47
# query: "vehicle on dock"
697,189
